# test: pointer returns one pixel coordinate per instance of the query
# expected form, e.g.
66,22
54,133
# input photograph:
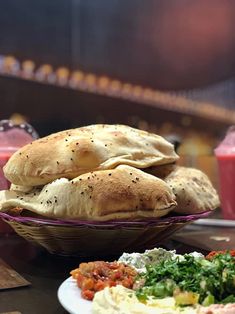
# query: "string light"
62,75
126,90
103,82
43,72
75,79
137,91
148,94
90,82
79,80
10,65
28,67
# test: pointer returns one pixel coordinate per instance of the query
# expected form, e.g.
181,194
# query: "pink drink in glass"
12,137
225,154
4,156
4,184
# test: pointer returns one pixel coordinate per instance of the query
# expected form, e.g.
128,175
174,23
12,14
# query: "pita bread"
121,193
70,153
193,190
161,171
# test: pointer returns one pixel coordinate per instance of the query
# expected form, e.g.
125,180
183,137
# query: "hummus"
120,300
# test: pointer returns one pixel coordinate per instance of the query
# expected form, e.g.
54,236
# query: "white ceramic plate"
70,298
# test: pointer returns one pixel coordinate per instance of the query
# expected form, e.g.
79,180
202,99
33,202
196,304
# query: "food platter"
159,291
69,296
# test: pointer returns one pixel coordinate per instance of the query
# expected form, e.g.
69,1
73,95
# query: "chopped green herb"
208,281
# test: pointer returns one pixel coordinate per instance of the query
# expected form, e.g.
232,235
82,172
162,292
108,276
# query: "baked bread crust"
161,171
70,153
121,193
193,190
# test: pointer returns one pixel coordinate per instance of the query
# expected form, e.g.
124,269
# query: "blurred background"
163,66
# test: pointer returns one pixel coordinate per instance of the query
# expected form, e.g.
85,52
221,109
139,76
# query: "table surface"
46,272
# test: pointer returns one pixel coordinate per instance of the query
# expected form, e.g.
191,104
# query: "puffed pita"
70,153
161,171
193,190
121,193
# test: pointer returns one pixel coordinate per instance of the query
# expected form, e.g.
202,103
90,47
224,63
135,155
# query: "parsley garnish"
210,280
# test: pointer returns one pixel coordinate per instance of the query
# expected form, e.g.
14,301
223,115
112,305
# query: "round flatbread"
121,193
193,190
70,153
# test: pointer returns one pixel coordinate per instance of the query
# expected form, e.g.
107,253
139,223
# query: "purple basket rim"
110,223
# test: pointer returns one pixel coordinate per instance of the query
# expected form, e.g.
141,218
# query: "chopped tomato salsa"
95,276
213,253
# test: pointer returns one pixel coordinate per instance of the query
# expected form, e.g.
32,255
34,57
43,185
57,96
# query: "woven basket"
95,239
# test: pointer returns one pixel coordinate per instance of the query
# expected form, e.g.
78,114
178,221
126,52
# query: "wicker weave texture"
92,241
